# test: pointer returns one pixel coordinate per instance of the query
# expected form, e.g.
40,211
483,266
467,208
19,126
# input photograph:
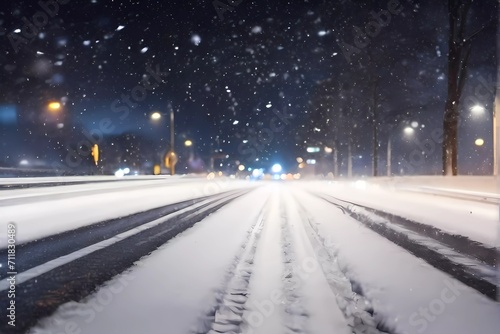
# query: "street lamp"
188,143
477,109
155,116
170,157
408,131
54,106
479,142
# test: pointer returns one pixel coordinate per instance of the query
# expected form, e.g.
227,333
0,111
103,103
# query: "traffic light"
170,161
95,153
156,170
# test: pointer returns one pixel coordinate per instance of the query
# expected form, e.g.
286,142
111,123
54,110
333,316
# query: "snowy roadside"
413,296
87,178
44,193
43,218
478,221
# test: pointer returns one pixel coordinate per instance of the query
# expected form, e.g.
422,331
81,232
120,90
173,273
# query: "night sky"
233,77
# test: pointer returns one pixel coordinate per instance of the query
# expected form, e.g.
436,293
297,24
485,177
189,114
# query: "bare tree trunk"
350,140
389,156
335,159
349,158
374,114
458,55
496,131
450,139
496,145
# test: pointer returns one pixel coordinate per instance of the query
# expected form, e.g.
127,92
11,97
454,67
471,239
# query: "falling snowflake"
196,39
256,30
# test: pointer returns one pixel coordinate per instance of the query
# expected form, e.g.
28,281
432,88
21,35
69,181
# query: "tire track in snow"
462,267
296,317
226,316
463,244
356,308
42,250
77,275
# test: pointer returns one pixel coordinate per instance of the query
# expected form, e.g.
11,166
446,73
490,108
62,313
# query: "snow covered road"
240,257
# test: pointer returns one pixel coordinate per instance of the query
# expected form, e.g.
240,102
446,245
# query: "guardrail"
457,193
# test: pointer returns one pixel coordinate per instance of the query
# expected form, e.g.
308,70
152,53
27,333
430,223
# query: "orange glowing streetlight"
54,106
